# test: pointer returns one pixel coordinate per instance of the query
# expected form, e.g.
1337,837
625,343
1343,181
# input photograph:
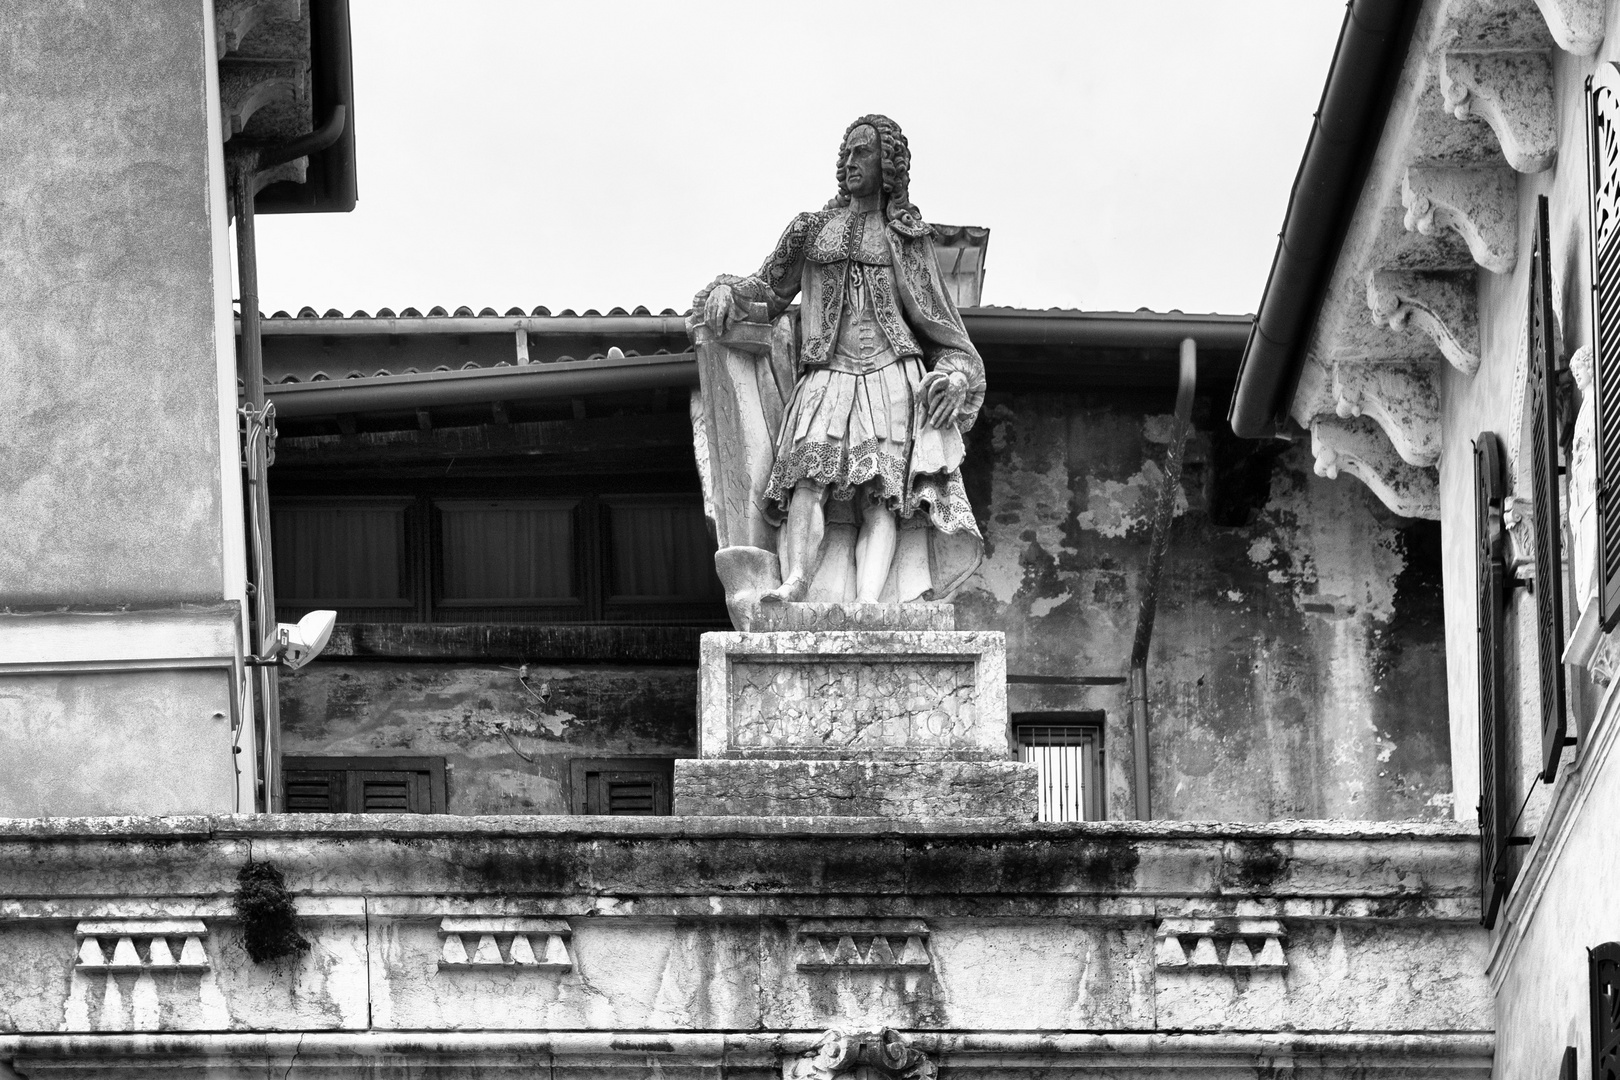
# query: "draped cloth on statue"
833,393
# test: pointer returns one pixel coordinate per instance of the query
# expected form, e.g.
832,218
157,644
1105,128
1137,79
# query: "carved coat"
819,256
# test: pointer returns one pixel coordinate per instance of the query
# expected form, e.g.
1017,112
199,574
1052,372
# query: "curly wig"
896,157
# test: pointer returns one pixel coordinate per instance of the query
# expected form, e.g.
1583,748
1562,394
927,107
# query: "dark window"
348,553
630,558
1603,974
622,786
1067,751
1548,521
1603,157
363,785
1491,582
498,553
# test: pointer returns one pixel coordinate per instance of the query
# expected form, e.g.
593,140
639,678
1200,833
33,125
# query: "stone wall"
1176,946
1298,661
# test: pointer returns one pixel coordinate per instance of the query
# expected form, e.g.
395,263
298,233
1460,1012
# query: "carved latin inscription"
846,704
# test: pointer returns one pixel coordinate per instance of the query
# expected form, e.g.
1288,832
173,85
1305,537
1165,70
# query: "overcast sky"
601,154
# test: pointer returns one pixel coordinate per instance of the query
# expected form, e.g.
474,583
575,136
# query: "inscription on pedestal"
855,695
853,704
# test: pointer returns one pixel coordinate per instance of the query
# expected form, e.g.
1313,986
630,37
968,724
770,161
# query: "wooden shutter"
1603,158
622,786
363,785
1603,980
1549,526
1491,582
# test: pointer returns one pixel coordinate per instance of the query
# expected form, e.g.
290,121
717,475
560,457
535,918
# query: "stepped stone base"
903,790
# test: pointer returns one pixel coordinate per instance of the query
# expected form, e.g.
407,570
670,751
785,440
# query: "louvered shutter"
1603,158
1491,580
1544,428
310,791
1603,986
622,786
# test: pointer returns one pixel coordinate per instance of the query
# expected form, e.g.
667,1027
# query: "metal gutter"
1349,122
397,393
329,185
991,326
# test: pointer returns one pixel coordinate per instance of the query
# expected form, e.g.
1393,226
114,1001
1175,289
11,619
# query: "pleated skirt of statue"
844,430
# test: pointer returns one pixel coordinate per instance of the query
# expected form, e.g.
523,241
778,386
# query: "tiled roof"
465,312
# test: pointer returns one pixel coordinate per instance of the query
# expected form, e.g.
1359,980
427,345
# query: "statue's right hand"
717,309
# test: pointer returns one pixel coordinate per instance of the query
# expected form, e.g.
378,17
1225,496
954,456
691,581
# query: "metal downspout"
258,427
1163,512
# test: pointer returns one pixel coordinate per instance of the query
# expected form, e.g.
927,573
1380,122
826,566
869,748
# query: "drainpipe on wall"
1163,511
258,425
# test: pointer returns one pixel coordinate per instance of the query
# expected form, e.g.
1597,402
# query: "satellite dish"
302,643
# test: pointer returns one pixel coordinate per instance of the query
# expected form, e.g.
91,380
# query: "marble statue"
831,434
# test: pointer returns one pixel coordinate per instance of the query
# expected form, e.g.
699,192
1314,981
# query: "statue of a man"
885,383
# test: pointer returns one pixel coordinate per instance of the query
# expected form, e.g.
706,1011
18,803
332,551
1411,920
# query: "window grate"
1544,428
1067,754
1603,163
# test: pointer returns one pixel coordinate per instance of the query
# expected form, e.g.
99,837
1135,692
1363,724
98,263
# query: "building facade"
446,845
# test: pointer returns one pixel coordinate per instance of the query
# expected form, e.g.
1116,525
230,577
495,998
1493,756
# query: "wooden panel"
307,791
1548,520
1490,577
364,785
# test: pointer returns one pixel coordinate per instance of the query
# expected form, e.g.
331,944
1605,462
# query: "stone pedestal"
902,723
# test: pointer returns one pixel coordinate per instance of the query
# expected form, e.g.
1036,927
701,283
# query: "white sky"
600,154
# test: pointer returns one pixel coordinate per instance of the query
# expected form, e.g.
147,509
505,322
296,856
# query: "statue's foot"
790,591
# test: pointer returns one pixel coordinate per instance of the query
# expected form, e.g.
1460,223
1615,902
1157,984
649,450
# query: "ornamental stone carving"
247,85
1442,306
504,941
1232,944
1511,91
235,20
1358,447
1577,25
1481,205
1401,397
861,1055
143,945
862,945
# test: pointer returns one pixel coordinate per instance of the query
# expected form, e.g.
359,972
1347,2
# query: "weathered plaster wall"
1297,667
109,487
459,711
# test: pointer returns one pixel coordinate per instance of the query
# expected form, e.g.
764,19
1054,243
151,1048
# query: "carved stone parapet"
862,945
504,941
1482,205
1577,25
153,945
247,85
867,1055
1228,944
1513,93
1360,448
235,20
1401,397
1443,306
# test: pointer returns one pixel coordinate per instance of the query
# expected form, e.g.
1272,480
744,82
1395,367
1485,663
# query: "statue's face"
862,161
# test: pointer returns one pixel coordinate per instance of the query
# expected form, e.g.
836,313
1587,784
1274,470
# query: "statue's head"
893,162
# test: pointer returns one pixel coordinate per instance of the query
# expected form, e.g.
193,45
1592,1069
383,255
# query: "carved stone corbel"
248,85
1358,447
1482,205
235,20
1577,25
1443,306
1401,397
869,1055
1512,92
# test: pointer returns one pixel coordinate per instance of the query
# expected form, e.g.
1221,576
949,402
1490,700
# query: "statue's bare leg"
806,528
874,551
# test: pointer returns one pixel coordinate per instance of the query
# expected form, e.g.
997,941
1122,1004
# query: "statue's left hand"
943,396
